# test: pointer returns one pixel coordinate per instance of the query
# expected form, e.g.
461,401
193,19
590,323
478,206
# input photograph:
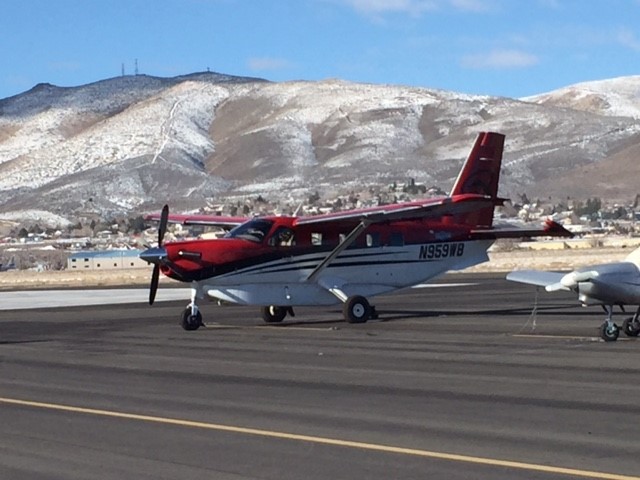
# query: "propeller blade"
162,228
155,277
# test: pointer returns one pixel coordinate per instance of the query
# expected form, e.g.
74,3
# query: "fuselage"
253,265
611,284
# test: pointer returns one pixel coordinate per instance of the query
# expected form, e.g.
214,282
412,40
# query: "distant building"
105,260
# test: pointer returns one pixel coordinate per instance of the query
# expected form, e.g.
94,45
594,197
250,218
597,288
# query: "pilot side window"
253,230
282,237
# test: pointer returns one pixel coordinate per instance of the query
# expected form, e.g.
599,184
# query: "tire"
630,328
356,309
609,334
190,322
273,313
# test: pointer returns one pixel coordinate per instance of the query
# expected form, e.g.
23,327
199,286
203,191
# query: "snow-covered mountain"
130,144
617,97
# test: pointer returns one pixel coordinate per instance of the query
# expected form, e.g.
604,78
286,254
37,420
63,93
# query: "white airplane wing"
535,277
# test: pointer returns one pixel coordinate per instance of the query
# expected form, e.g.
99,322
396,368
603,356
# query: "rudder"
480,174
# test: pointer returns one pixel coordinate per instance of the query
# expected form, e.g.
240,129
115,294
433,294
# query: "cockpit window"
282,237
253,230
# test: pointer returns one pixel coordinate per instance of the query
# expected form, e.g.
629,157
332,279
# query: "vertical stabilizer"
480,174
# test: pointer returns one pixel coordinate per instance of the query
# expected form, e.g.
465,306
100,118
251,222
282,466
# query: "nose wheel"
609,331
191,319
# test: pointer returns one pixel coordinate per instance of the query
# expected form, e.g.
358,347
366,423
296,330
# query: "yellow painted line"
324,441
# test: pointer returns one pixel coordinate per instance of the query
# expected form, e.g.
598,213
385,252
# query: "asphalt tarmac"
458,382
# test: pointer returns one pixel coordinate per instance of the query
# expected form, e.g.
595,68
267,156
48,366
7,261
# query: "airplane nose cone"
154,255
569,280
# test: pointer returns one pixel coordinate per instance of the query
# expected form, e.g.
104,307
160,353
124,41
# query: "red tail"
480,174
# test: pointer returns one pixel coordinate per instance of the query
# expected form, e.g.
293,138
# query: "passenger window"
396,239
354,244
373,239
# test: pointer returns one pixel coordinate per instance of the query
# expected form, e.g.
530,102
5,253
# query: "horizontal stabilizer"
536,277
549,229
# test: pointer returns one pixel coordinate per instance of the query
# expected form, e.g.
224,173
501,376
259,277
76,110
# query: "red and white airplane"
280,262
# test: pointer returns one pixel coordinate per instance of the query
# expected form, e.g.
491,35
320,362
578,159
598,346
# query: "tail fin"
480,174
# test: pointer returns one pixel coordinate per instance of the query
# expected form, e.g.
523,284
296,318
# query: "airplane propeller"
155,255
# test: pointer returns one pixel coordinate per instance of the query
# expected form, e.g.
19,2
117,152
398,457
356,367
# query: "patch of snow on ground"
41,216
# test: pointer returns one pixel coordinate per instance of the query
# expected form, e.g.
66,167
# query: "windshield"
253,230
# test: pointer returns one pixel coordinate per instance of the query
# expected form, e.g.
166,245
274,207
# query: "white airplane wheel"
631,328
609,333
190,322
356,309
273,314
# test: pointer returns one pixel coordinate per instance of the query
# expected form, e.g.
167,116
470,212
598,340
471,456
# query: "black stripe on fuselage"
289,259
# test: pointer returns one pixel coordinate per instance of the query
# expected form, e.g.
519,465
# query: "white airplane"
607,284
279,262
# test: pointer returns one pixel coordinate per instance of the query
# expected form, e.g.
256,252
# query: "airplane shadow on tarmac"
541,311
393,315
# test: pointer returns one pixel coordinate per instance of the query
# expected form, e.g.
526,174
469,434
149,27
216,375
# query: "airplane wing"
206,220
536,277
434,208
405,211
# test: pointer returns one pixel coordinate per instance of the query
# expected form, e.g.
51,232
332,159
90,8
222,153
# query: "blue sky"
509,48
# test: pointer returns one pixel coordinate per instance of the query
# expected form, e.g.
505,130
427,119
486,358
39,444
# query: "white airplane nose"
572,279
569,280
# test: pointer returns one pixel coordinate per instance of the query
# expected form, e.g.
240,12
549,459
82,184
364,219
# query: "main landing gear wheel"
630,327
188,321
356,309
609,332
273,313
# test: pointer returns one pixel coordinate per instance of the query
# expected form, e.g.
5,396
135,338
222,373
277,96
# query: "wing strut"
348,240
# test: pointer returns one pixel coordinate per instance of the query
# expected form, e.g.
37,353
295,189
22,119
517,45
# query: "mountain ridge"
130,144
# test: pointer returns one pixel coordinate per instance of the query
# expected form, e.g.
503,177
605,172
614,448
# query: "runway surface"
31,299
450,383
